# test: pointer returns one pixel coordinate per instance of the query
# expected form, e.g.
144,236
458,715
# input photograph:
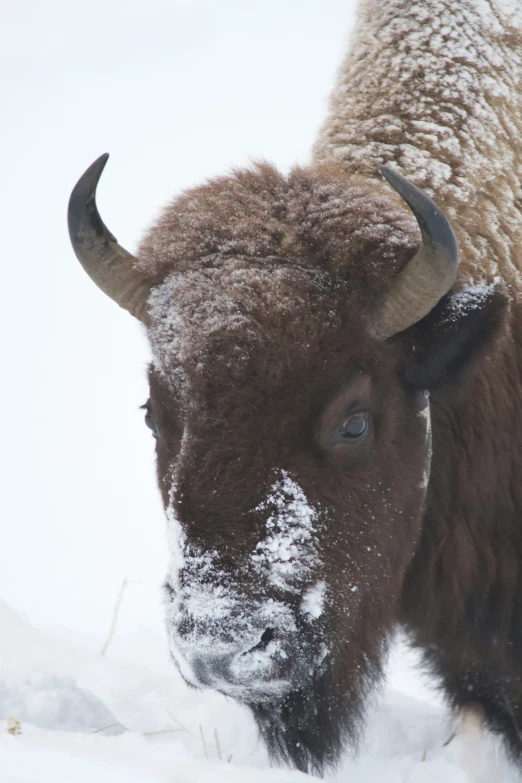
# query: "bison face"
297,325
293,460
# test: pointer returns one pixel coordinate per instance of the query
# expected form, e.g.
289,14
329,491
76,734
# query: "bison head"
297,326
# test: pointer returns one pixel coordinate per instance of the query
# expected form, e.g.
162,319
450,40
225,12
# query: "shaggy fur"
436,88
263,286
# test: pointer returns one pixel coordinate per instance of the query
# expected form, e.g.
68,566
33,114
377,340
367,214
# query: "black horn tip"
86,185
96,168
108,264
404,187
387,172
83,197
435,227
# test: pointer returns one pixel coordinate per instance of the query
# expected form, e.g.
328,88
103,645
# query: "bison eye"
149,421
354,426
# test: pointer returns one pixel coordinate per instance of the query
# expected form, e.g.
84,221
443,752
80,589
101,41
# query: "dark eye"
149,421
354,426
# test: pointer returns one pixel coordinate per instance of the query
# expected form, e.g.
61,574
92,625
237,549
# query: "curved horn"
105,261
431,272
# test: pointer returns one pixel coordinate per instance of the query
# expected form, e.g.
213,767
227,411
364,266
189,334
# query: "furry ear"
455,333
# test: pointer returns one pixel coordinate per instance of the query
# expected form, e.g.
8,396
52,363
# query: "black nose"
263,643
233,666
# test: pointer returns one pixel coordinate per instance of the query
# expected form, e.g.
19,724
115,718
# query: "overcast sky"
176,91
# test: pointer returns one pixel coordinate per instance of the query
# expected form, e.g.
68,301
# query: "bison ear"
454,334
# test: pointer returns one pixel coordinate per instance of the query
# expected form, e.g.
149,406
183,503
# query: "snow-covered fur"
262,289
434,87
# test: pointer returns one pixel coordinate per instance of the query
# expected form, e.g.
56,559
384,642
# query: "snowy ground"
64,694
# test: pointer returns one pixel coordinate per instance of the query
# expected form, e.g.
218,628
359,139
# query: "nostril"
263,643
267,637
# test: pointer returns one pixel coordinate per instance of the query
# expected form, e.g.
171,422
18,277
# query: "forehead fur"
271,264
323,218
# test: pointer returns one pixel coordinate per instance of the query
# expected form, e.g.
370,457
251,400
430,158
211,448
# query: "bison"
335,400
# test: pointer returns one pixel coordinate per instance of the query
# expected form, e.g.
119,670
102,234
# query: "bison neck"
465,582
435,88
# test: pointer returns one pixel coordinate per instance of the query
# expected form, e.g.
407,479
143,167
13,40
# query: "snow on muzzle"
254,649
248,650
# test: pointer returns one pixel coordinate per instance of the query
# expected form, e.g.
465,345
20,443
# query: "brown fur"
263,285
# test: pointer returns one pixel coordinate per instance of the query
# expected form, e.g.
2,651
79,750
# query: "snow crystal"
176,540
312,602
185,312
423,484
425,414
324,651
288,553
469,298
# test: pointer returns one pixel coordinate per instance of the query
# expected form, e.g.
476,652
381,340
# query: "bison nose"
266,637
232,664
253,669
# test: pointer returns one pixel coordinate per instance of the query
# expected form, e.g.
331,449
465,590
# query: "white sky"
176,91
